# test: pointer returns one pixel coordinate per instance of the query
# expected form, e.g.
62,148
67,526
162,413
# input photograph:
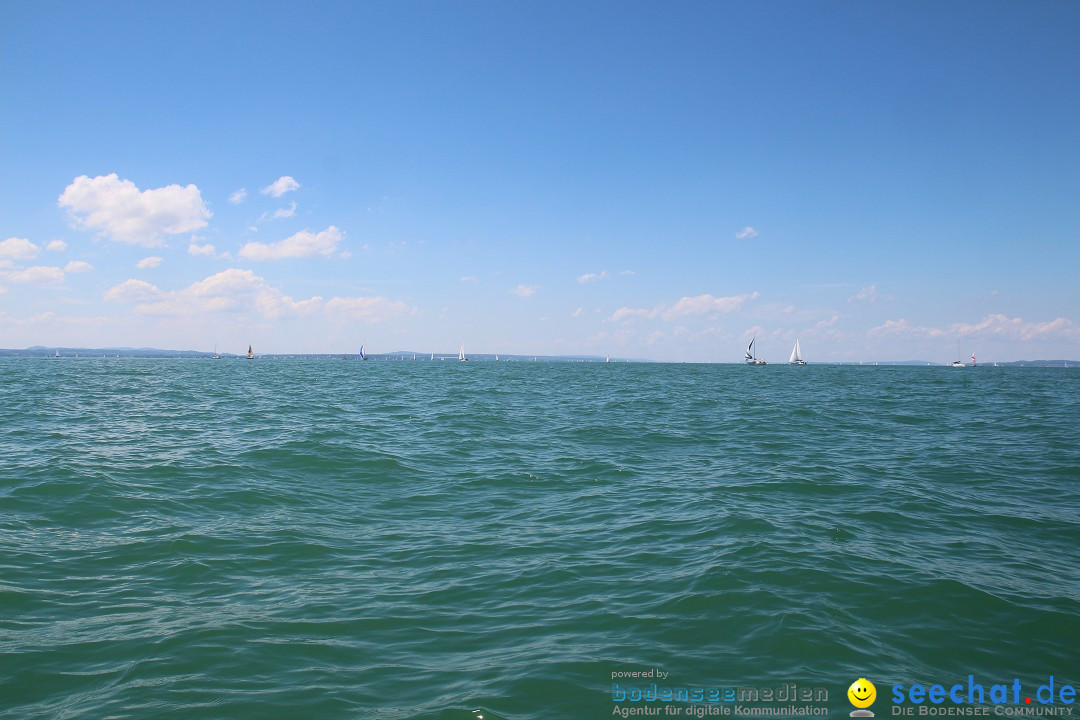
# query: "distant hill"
41,351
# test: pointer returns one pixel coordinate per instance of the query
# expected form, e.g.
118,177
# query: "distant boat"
752,359
496,357
250,354
607,359
973,363
461,354
432,357
956,363
57,353
362,355
796,355
215,356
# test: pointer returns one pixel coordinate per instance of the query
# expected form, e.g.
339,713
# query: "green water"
422,540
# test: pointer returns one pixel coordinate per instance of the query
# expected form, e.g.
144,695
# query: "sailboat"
973,363
432,357
250,354
57,353
362,355
496,357
796,355
956,363
751,359
461,354
215,356
607,359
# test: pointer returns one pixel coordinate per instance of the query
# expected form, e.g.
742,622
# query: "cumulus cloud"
37,275
280,186
148,262
866,294
592,277
746,232
56,246
78,266
525,290
706,304
624,312
238,197
207,250
131,291
302,244
369,309
1016,328
229,291
118,210
15,248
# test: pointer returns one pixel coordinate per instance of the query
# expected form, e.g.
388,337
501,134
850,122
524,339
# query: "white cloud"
78,266
891,328
867,294
302,244
525,290
133,291
746,232
997,326
698,305
625,312
15,248
469,279
56,246
823,324
37,275
238,197
578,313
119,211
284,212
592,277
148,262
369,309
207,250
229,291
1016,328
280,186
707,305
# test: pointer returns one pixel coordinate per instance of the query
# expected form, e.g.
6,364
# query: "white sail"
796,354
750,351
362,355
461,354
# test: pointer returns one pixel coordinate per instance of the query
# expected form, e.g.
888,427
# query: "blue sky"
661,180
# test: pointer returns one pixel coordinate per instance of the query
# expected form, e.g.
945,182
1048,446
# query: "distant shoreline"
42,352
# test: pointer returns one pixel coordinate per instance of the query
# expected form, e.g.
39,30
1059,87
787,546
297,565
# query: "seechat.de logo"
862,694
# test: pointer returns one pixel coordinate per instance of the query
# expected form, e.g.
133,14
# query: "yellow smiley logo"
862,693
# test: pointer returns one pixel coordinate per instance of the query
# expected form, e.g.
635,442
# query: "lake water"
442,540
